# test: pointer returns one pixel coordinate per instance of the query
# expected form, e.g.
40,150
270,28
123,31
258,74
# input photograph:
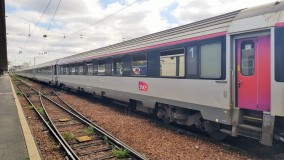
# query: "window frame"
200,63
91,64
177,69
241,57
279,55
80,65
131,65
121,61
102,60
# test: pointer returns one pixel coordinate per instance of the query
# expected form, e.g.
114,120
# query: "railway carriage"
45,72
224,74
26,72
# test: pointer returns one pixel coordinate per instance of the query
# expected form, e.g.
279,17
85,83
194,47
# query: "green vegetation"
89,130
106,140
20,93
31,107
14,78
120,153
68,136
41,111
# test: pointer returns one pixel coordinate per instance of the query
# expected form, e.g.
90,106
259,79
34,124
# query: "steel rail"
134,154
53,126
133,151
111,137
70,153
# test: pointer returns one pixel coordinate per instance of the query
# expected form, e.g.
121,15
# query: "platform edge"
30,143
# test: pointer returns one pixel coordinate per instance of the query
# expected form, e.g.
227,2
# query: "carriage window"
279,54
247,58
61,70
80,70
139,65
210,61
172,63
66,70
102,68
72,70
90,69
117,67
192,61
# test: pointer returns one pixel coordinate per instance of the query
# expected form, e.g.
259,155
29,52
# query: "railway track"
78,136
240,144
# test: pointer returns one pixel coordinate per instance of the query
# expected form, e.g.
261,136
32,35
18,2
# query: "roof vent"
277,2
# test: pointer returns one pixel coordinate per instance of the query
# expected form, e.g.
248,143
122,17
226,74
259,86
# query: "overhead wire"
65,36
54,15
30,34
101,20
50,25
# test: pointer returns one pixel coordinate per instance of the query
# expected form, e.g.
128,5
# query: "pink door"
253,78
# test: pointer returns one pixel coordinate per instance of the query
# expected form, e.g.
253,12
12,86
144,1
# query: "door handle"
239,83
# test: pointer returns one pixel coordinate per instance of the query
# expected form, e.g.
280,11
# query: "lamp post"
35,59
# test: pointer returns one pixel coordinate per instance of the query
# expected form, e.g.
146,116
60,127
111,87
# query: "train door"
253,73
54,74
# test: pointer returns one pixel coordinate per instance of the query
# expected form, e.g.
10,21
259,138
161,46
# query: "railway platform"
16,140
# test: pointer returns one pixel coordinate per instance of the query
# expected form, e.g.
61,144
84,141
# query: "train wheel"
63,87
218,136
163,114
213,129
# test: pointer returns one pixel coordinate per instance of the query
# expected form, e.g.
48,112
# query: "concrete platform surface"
13,144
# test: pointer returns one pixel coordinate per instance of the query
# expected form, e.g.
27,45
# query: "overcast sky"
77,21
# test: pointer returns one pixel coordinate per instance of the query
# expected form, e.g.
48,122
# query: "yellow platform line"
31,145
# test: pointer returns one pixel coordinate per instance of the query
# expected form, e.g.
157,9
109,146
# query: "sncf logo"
143,86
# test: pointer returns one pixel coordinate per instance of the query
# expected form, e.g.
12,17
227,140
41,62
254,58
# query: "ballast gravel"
155,142
48,147
148,138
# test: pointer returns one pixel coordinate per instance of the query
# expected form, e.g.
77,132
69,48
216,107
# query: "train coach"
224,74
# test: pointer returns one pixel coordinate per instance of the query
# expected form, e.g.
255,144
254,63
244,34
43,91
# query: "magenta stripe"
279,24
160,45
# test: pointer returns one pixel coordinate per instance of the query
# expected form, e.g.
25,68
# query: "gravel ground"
148,138
153,141
47,145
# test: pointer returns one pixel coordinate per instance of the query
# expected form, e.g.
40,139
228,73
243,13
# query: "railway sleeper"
85,145
95,151
103,157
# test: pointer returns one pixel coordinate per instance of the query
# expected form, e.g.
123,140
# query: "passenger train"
224,75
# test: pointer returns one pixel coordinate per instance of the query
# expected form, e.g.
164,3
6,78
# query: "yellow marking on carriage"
83,138
64,119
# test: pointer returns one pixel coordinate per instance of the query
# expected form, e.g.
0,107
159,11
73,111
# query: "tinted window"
90,69
247,58
61,69
139,65
279,54
66,70
192,61
102,68
210,61
126,65
80,70
172,63
117,67
72,70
